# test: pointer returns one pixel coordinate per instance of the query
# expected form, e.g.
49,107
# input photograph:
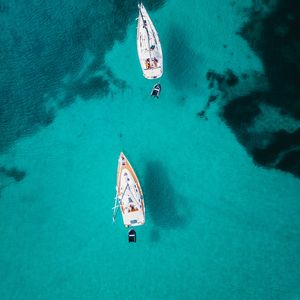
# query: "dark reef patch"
231,78
43,54
14,173
275,38
273,33
222,81
218,85
282,152
290,162
163,202
240,113
8,176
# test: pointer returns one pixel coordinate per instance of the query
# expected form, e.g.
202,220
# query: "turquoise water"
217,225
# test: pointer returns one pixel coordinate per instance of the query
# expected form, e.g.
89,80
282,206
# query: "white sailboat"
129,196
148,46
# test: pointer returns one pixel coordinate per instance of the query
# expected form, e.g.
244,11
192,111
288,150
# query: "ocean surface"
217,155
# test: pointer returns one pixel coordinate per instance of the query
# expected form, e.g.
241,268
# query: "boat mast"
116,207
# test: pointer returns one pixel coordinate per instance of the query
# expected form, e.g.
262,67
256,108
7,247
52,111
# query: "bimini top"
148,46
129,194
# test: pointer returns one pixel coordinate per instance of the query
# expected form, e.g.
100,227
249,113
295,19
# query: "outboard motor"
131,236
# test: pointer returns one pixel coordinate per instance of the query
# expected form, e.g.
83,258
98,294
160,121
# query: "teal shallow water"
217,226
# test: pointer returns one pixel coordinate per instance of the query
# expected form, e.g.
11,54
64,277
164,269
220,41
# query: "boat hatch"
132,236
133,221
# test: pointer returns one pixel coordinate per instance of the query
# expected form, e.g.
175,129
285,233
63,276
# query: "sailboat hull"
129,194
148,46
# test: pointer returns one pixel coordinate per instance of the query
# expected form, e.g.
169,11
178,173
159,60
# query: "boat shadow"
182,61
162,201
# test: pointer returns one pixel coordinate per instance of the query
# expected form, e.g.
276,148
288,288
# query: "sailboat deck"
129,194
149,48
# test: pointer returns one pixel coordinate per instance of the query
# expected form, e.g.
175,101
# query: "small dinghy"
156,91
132,236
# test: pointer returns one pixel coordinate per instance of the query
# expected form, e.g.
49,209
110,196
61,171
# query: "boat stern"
133,218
